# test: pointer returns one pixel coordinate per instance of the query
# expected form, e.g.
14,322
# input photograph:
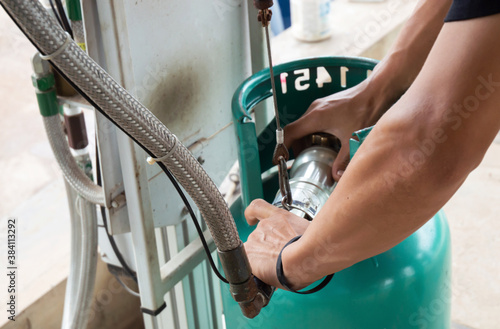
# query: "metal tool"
281,155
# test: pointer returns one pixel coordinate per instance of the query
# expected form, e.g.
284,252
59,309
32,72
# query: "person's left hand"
275,228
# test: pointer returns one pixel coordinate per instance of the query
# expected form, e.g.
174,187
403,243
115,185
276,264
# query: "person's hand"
275,228
340,115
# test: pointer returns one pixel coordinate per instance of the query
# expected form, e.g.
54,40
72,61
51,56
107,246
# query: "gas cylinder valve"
311,181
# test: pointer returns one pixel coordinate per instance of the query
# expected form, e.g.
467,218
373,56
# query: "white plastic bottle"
310,19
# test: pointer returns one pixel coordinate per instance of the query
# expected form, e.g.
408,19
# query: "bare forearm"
382,198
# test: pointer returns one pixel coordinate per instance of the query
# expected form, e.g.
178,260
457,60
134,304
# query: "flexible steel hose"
72,173
82,274
76,241
131,116
78,33
83,282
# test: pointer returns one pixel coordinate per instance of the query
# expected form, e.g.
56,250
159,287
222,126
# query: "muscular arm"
361,106
399,68
416,157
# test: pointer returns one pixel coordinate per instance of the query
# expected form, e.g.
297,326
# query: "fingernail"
340,172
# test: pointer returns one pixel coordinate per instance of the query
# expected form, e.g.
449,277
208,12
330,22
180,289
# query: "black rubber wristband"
281,275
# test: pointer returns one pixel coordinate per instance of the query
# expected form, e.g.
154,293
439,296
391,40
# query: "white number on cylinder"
283,77
323,77
302,79
343,76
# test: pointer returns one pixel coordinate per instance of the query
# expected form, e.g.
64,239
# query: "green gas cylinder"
408,286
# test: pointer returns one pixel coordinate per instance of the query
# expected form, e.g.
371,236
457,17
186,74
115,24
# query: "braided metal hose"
81,279
130,115
77,314
76,241
78,33
71,171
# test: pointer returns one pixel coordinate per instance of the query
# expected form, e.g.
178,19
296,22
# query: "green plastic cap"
44,83
74,10
47,103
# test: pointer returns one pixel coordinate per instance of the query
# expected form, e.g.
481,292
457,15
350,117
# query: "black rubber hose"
56,14
64,18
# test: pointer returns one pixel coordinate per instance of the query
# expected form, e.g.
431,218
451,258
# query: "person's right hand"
339,114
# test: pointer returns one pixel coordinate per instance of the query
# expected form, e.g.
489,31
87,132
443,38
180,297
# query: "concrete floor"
30,185
30,173
473,215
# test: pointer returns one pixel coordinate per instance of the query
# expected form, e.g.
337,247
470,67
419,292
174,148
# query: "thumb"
341,162
305,125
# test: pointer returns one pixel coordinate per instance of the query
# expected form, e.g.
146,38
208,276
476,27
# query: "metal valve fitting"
311,180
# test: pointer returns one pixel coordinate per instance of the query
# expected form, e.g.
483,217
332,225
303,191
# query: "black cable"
117,272
281,275
165,170
111,238
64,18
128,289
56,14
195,221
162,166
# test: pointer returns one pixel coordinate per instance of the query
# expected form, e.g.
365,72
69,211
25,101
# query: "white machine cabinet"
183,60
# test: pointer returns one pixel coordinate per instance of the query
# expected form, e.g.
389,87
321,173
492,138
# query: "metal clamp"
265,16
59,51
284,182
152,160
